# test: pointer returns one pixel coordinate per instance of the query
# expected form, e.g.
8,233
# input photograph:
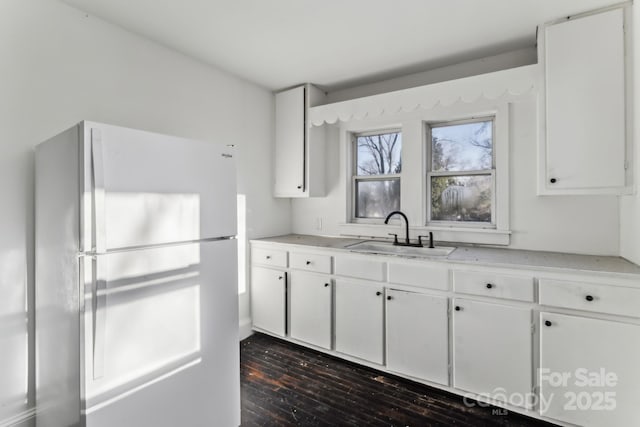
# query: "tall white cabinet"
299,147
584,110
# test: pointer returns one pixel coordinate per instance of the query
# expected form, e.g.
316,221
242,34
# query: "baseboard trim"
22,417
245,330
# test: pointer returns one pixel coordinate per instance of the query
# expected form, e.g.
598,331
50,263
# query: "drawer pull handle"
389,298
589,298
458,308
489,286
378,293
308,262
547,322
326,285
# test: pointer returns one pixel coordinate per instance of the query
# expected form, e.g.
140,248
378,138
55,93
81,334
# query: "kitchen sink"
384,248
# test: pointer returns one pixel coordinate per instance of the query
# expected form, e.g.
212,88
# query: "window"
461,173
376,174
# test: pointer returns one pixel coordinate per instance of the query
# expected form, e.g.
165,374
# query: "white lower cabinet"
590,371
268,300
417,335
359,320
492,350
310,308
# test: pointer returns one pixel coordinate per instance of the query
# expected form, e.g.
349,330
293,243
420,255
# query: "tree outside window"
377,168
461,177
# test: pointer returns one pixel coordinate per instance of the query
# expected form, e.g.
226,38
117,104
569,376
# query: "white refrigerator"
136,280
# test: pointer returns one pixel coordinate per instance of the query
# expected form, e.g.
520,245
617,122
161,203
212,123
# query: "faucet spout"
406,225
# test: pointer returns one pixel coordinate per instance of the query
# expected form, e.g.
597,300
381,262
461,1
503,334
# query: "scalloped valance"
514,81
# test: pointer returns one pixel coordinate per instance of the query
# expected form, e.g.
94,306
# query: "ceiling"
334,43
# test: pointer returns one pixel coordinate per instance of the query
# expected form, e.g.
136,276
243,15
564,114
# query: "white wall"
630,205
577,224
58,67
503,61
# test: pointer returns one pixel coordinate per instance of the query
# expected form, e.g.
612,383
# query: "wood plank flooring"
285,385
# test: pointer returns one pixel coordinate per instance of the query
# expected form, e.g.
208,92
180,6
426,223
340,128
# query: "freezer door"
143,188
161,337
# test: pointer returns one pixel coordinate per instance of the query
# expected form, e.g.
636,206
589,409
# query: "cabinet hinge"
533,328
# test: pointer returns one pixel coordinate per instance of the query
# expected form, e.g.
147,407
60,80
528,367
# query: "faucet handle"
395,238
430,236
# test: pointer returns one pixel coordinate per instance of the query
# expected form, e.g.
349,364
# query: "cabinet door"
268,300
492,350
359,320
579,348
290,143
310,302
585,103
417,335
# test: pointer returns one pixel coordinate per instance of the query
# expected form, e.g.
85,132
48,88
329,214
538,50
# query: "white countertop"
489,256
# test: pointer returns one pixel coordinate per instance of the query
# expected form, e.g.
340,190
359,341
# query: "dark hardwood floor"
284,384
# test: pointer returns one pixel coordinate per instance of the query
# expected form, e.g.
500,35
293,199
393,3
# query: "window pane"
461,198
379,154
463,147
376,199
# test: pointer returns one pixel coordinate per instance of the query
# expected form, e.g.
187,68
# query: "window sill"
481,236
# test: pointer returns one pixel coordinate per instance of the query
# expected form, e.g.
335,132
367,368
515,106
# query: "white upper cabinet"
584,112
299,148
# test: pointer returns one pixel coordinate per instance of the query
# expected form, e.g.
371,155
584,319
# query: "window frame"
428,126
355,177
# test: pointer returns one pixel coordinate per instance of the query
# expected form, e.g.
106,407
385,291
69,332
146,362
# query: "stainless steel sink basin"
384,248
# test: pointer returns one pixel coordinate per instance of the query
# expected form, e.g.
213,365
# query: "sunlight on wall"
242,244
13,335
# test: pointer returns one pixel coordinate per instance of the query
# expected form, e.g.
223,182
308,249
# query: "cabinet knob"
378,293
326,285
589,298
308,262
299,187
547,322
553,180
458,308
280,277
389,298
268,256
489,286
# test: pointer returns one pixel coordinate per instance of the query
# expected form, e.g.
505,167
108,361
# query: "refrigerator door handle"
98,192
99,313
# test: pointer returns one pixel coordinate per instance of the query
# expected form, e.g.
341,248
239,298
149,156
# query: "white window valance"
511,82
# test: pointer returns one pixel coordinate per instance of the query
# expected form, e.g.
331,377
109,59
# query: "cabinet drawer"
419,275
361,267
591,297
273,257
310,262
493,285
